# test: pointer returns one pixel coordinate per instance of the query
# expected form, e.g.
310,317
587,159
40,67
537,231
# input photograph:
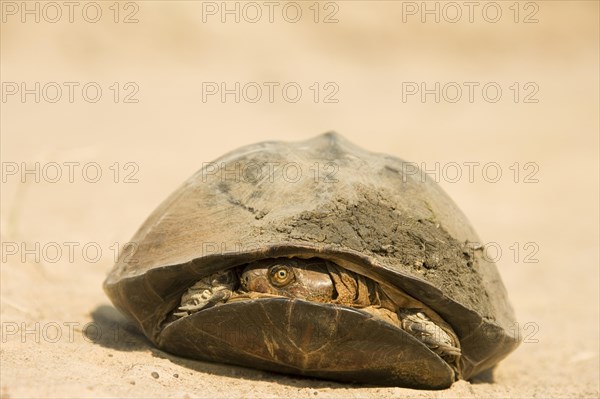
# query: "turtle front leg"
416,323
207,292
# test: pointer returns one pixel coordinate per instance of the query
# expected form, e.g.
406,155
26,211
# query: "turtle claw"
425,330
207,292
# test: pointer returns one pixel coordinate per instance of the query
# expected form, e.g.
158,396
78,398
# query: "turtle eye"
281,276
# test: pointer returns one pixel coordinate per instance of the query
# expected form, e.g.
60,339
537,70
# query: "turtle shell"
373,214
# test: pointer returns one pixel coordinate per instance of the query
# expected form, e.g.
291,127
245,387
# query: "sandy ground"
62,223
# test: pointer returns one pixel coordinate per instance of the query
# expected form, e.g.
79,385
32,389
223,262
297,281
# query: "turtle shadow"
485,377
110,329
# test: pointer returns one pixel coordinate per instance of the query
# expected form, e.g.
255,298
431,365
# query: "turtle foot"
416,323
207,292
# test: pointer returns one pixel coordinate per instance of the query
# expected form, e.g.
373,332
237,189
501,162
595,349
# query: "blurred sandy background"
49,294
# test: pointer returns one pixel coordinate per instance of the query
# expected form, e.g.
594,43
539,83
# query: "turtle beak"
256,280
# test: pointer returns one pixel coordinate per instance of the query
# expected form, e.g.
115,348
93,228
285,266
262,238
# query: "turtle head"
290,278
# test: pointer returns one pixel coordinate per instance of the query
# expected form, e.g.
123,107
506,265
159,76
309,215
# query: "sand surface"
82,170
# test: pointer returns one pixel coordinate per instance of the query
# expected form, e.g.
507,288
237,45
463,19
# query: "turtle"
321,259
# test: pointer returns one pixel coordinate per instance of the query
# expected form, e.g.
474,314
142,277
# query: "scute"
359,209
